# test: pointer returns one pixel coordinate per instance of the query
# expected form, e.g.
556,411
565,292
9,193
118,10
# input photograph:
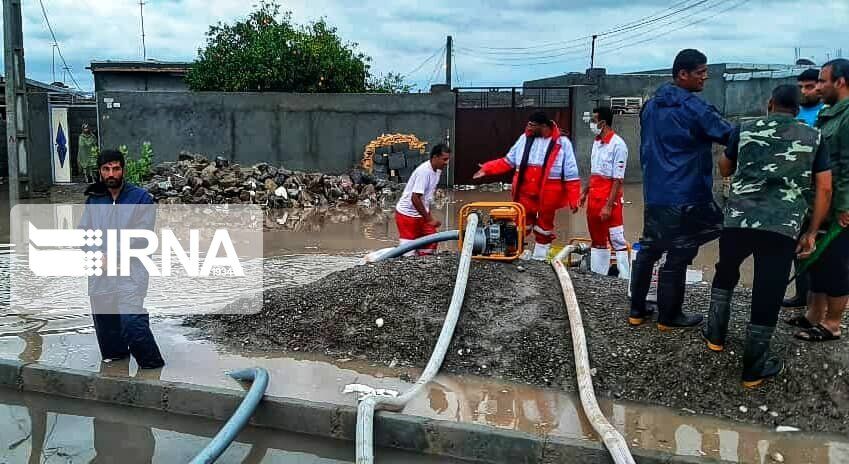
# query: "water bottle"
635,249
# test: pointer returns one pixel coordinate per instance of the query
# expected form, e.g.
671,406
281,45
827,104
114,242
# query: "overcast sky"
497,42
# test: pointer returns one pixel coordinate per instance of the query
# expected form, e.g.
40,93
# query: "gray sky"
497,42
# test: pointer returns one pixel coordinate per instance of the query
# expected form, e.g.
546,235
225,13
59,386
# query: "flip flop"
801,322
816,334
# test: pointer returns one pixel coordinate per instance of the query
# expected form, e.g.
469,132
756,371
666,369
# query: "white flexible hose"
366,408
615,442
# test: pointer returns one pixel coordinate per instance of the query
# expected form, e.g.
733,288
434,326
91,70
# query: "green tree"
268,53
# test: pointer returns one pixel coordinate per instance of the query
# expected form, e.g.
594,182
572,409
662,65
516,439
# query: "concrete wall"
138,81
311,132
749,98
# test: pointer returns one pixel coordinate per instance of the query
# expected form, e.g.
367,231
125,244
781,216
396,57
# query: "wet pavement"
38,428
309,245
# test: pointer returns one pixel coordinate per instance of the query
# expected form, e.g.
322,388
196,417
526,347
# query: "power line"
457,70
434,75
628,40
426,61
693,23
56,43
615,30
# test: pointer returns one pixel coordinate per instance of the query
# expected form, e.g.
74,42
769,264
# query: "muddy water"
39,428
454,398
311,244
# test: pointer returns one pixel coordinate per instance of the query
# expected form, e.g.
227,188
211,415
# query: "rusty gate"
489,120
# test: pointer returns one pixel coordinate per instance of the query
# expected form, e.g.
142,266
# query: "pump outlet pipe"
389,253
240,417
367,406
613,440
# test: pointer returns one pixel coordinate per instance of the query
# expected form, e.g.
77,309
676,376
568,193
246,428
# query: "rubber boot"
670,298
541,251
600,260
623,262
719,313
800,300
641,275
758,362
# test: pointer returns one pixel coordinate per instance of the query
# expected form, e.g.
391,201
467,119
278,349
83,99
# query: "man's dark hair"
809,75
108,156
786,96
605,114
688,60
839,68
540,118
439,149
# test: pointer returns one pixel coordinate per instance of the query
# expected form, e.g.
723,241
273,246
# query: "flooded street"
47,429
309,245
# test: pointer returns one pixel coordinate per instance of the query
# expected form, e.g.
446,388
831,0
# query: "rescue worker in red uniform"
603,196
546,177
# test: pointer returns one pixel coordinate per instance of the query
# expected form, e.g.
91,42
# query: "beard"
113,182
808,102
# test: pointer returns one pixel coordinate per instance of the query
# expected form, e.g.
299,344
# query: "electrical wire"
425,62
693,23
615,30
56,43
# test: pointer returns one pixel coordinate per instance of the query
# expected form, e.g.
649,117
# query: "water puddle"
39,428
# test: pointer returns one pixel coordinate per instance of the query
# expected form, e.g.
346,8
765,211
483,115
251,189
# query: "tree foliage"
267,52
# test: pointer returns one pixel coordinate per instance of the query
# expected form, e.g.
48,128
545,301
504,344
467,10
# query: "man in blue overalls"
117,301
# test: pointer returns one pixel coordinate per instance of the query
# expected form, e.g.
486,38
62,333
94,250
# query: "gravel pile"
514,326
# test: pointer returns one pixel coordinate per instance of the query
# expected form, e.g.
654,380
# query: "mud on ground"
514,326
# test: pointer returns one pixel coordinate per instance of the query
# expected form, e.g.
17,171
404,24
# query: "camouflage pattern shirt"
772,187
833,121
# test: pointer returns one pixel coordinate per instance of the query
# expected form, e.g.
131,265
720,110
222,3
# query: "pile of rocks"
194,179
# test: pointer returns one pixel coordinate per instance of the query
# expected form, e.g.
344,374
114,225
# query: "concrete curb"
471,442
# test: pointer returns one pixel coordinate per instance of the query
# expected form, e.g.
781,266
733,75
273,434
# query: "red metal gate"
489,120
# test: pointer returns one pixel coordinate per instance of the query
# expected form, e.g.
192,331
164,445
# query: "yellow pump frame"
487,207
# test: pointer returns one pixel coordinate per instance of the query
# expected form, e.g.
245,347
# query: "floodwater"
311,244
48,429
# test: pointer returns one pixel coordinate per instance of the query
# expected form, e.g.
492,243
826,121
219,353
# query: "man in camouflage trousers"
772,162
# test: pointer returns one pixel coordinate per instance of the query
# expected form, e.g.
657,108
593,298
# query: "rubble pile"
194,179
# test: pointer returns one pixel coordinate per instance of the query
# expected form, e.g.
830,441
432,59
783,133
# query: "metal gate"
489,120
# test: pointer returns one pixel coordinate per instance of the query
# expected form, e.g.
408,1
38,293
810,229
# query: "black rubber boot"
719,313
641,273
758,363
670,298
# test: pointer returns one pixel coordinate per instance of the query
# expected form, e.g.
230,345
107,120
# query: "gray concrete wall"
130,81
749,98
310,132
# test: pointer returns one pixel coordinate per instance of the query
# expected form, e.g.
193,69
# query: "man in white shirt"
603,196
545,177
412,213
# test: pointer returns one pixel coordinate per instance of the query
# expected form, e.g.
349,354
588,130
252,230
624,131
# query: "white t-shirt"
609,159
423,180
564,166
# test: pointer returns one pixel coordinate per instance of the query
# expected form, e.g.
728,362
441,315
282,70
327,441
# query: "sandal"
801,322
816,334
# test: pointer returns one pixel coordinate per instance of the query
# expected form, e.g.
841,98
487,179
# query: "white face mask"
594,127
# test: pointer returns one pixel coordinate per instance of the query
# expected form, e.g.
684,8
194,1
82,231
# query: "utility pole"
592,53
17,114
144,48
449,45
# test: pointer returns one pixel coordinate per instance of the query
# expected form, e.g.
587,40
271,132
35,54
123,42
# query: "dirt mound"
514,326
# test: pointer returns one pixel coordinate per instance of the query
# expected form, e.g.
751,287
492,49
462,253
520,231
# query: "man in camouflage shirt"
829,291
772,163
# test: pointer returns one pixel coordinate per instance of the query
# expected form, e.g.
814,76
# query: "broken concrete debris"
194,179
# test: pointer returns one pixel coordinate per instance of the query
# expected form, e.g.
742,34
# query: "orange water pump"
500,232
